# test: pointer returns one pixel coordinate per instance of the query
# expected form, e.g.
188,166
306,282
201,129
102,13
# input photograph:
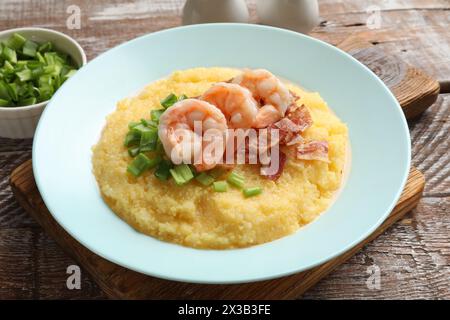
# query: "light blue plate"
72,122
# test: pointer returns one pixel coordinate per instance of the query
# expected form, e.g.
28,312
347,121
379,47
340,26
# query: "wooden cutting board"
118,282
415,92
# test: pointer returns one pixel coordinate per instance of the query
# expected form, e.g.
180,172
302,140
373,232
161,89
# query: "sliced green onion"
159,147
220,186
132,138
148,140
148,136
21,64
4,94
169,101
4,103
69,74
40,57
50,58
24,75
251,192
36,73
31,72
162,171
236,180
140,164
178,179
45,80
149,123
148,147
10,55
183,97
155,114
33,64
29,48
24,91
133,124
27,102
16,41
141,128
8,67
133,151
181,174
52,70
61,57
155,161
12,90
45,47
205,179
46,92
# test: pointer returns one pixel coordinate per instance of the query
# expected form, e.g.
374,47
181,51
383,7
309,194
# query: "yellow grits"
196,216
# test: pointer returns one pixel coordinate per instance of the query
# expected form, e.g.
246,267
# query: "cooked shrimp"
235,101
185,141
273,95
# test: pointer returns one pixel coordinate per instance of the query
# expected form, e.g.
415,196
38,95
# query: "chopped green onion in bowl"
30,72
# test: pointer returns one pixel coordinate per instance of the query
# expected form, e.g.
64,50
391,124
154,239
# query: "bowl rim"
59,34
287,272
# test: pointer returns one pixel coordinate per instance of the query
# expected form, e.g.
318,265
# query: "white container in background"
206,11
298,15
21,122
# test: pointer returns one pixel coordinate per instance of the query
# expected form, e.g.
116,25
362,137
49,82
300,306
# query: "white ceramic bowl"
21,122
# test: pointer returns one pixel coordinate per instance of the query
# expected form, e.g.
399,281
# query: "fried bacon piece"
290,127
312,150
287,130
301,117
297,120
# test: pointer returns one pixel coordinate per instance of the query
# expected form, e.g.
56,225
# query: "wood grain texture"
118,282
413,255
416,30
414,89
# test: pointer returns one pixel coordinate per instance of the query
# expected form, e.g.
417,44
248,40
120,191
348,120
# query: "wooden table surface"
413,256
